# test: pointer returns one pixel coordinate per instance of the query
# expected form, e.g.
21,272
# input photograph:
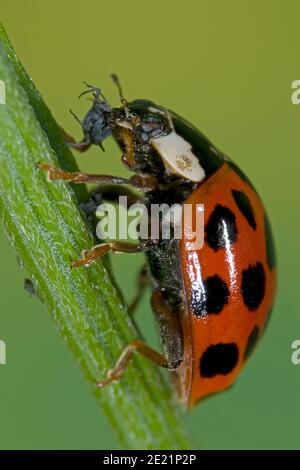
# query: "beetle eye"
149,126
152,122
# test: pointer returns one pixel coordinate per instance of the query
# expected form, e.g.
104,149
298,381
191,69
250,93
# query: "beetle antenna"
116,81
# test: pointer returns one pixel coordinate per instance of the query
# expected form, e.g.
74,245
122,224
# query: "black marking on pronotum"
221,228
219,359
270,249
209,158
253,285
251,343
244,205
212,298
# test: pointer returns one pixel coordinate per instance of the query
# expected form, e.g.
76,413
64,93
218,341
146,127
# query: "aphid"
29,287
95,125
211,304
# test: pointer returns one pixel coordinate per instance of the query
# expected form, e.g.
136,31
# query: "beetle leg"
109,193
122,363
71,142
113,192
78,177
88,256
168,322
143,183
142,282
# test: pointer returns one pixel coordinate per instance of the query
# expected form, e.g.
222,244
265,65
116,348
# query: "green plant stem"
47,230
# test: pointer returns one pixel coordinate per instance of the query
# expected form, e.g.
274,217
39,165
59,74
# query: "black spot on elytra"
244,205
253,285
219,359
251,343
211,298
270,249
220,227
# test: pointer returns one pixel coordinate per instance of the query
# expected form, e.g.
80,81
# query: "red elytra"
241,317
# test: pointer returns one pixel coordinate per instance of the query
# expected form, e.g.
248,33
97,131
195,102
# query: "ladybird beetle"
211,304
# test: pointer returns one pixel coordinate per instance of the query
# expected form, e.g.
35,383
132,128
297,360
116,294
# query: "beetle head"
136,126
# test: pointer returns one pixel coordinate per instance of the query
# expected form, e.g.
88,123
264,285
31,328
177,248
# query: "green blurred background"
228,68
